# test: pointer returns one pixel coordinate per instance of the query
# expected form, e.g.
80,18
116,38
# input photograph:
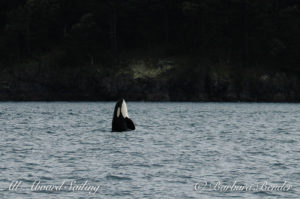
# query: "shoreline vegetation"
151,80
149,50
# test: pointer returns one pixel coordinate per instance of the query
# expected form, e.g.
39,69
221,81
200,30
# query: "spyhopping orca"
121,121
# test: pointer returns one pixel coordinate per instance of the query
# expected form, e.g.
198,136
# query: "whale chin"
121,121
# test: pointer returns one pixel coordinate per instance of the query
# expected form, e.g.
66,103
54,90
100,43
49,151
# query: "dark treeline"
215,50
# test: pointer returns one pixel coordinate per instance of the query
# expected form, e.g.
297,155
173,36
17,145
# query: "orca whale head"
122,109
121,120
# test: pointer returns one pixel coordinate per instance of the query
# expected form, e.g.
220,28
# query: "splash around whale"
121,121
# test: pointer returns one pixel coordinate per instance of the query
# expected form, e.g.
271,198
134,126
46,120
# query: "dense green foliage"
41,39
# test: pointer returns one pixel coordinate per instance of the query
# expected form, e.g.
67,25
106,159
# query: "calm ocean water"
179,150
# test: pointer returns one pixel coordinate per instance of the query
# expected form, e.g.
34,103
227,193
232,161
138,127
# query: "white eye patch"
118,112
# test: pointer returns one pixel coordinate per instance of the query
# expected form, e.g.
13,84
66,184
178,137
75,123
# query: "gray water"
175,150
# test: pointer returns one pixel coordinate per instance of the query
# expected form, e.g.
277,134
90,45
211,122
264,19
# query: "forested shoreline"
150,50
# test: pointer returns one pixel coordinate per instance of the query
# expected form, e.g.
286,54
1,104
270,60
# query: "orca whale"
121,120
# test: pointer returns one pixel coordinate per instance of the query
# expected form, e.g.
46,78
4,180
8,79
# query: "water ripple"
174,146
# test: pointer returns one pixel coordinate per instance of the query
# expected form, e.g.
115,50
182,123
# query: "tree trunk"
166,22
246,34
28,43
113,31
